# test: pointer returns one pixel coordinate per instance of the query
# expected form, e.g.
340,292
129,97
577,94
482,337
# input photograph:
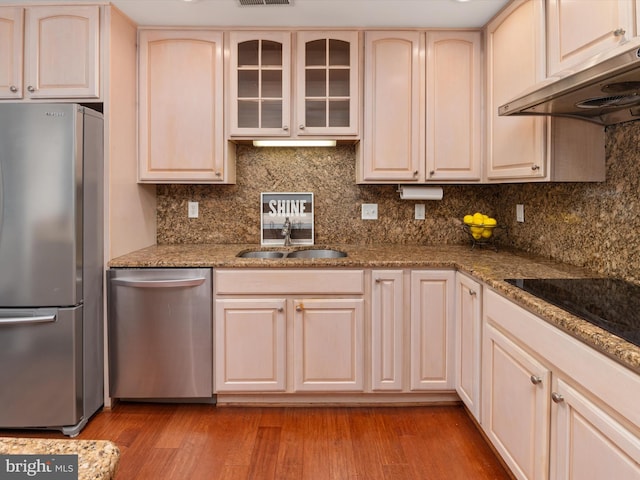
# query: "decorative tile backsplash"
596,225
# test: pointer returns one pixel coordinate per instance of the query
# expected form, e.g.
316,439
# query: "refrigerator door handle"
22,320
186,282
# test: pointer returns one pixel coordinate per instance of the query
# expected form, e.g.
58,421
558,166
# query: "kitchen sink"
305,253
317,253
262,254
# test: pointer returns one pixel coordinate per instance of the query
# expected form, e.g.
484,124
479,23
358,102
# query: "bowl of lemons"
480,227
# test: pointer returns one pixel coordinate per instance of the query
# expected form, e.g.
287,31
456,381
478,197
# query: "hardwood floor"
179,441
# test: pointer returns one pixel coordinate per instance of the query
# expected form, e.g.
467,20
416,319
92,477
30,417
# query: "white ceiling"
313,13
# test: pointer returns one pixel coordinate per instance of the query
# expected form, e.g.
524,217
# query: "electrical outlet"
369,211
420,210
520,213
193,209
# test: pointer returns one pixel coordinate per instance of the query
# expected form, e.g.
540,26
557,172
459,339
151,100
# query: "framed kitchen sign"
276,208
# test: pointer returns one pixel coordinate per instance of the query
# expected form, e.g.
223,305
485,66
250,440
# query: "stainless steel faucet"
286,232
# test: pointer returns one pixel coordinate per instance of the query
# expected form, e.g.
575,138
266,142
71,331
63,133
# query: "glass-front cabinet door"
260,69
327,83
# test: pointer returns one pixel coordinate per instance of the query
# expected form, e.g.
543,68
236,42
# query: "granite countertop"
97,459
483,264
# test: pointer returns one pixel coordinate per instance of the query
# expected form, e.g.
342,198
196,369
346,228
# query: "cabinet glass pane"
339,113
271,53
248,53
272,114
339,83
316,113
316,83
248,114
316,53
338,53
248,83
272,83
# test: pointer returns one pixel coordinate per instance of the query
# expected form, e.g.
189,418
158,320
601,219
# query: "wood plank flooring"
187,441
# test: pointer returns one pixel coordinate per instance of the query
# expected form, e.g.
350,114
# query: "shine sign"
276,208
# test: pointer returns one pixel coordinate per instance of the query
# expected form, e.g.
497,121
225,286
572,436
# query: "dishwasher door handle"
175,283
21,320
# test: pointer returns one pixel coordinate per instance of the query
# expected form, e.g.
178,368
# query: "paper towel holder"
419,192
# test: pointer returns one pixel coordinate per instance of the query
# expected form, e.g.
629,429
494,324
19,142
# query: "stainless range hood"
606,92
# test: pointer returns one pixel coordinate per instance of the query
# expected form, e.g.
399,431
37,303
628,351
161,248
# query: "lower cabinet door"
468,342
432,330
328,337
250,345
515,405
589,444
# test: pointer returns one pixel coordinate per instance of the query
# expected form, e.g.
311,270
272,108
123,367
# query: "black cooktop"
611,304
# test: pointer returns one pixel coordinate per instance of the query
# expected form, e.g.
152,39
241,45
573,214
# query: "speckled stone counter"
97,459
483,264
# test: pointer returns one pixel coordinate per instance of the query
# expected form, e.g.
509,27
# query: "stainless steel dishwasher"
159,327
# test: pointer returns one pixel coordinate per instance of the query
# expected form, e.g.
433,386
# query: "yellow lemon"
478,218
490,221
476,230
487,232
477,236
468,219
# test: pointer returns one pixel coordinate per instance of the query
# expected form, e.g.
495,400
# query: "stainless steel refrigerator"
51,266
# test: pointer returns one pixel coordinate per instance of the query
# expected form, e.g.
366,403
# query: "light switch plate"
420,211
369,211
520,213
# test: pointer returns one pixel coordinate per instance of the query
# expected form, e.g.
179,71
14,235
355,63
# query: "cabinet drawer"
266,282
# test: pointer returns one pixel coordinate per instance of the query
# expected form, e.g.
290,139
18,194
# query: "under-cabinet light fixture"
294,143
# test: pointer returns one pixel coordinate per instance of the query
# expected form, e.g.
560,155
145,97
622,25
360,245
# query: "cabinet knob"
299,308
301,127
535,167
432,173
473,293
280,309
619,32
378,280
31,89
535,379
218,174
285,128
13,89
556,397
415,173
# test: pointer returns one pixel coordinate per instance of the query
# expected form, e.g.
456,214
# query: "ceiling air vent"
245,3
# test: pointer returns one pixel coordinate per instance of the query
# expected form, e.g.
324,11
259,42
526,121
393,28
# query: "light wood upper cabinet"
327,73
181,136
429,128
578,30
392,146
531,148
326,91
515,62
260,84
11,52
61,54
454,106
